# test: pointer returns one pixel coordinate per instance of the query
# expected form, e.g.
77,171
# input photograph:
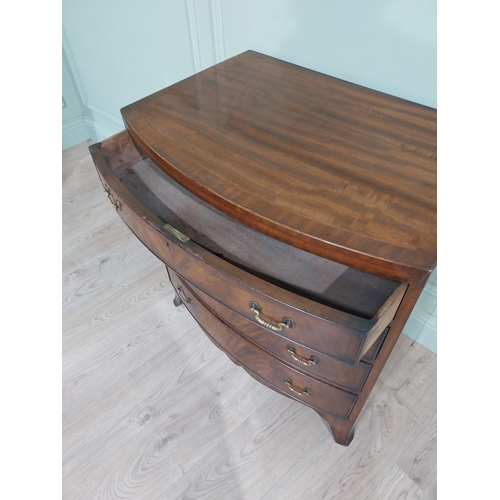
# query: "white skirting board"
74,132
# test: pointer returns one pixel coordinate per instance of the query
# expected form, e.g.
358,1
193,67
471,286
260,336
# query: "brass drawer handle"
116,204
305,392
285,323
313,360
182,296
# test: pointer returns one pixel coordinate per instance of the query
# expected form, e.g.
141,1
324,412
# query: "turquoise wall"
117,51
74,127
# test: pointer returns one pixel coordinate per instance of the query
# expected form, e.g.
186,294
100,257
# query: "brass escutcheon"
175,232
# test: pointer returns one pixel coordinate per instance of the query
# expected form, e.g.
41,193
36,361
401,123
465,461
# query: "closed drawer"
266,367
303,357
331,331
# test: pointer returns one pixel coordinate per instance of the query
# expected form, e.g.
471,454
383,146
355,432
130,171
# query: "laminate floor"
153,410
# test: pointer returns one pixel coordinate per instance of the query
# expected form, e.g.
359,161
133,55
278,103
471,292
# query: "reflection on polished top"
333,168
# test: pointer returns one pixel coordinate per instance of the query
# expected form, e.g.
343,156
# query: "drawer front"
276,374
239,295
301,356
333,332
228,285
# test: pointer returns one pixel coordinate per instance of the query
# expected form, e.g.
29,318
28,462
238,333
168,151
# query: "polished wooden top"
333,168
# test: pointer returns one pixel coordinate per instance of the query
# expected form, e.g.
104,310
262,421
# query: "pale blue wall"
118,51
74,127
387,45
121,50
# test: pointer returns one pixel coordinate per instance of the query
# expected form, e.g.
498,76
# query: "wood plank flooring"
153,410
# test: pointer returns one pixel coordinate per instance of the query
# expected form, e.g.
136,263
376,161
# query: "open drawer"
330,307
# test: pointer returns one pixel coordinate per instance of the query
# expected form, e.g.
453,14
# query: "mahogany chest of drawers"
295,214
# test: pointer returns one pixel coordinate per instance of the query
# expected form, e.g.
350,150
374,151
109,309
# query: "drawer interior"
305,274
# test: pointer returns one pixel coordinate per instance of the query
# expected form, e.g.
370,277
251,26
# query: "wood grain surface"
269,369
330,369
153,410
336,169
324,280
343,335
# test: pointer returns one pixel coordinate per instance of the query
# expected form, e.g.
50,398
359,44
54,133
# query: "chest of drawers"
295,214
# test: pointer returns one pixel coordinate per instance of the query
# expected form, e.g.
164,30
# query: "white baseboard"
74,132
94,125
